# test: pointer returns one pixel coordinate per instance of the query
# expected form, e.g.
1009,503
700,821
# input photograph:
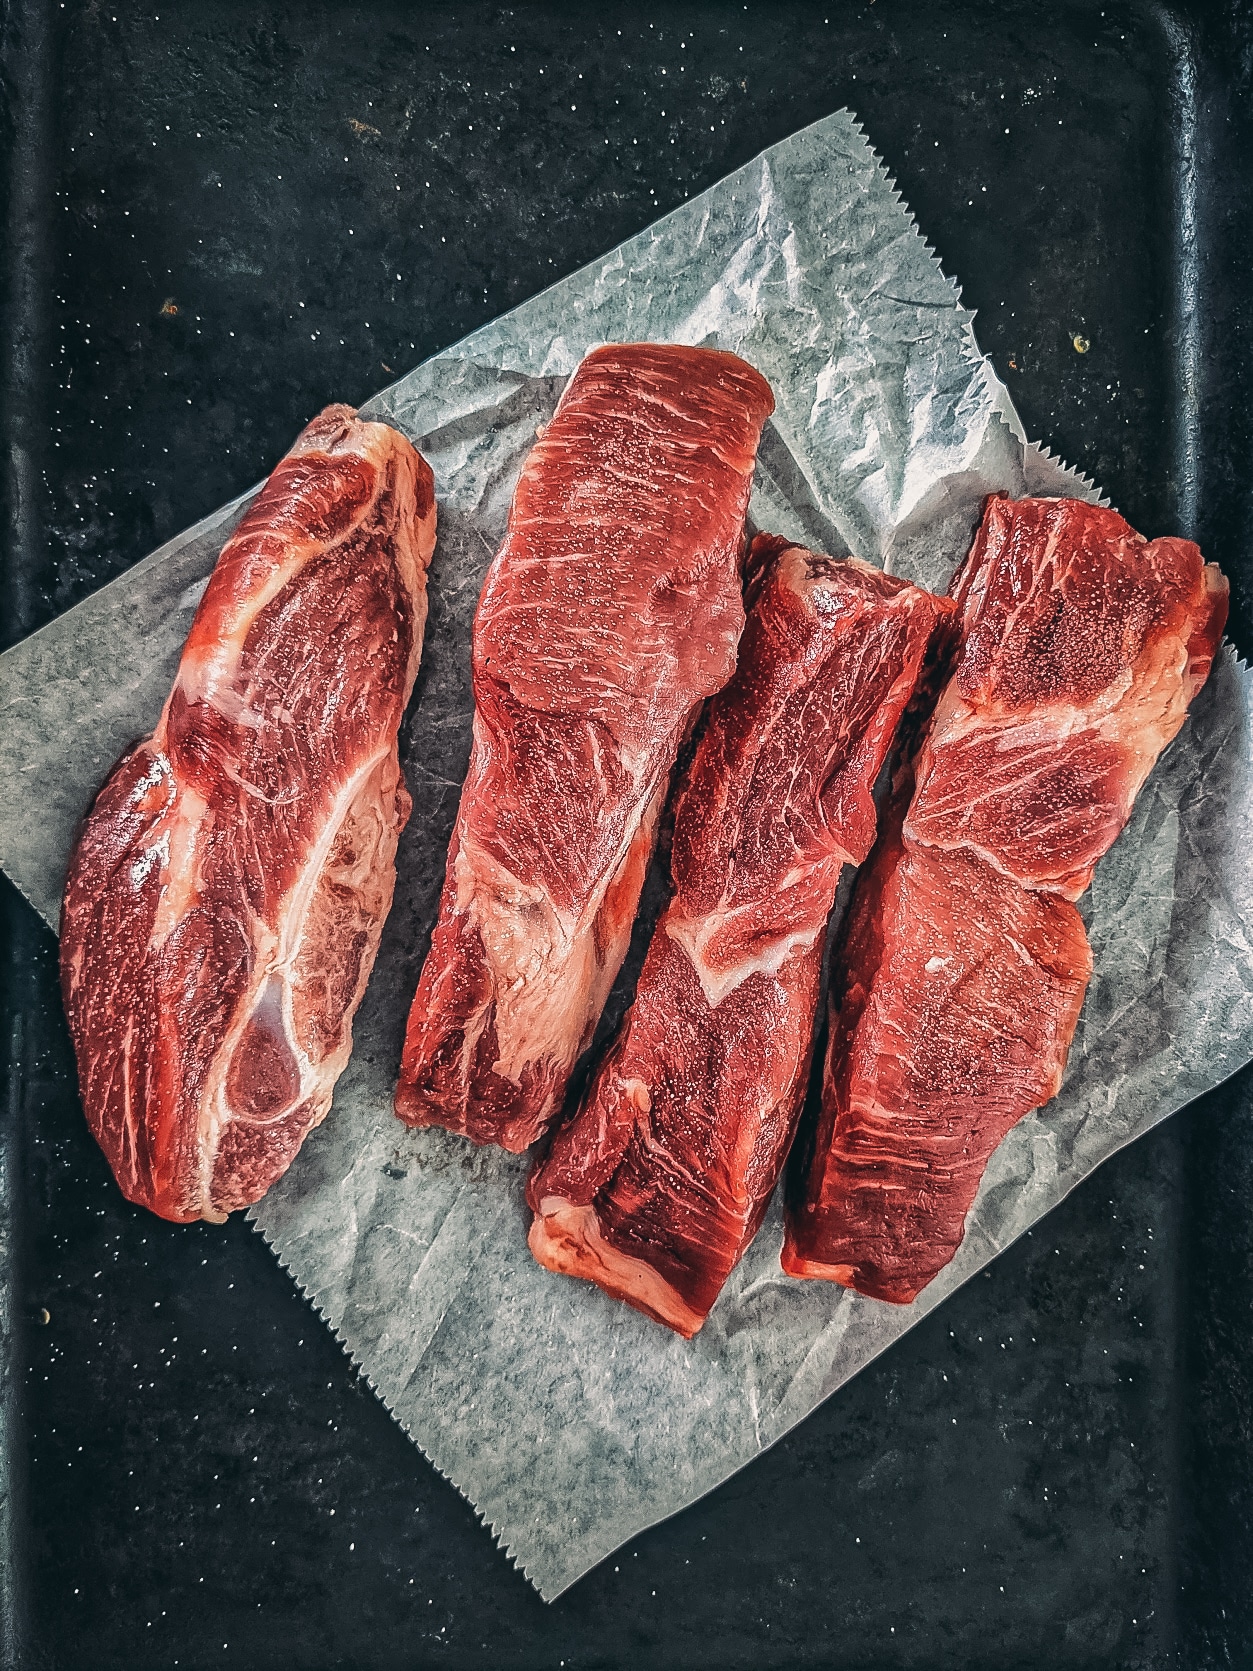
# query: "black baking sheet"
1051,1471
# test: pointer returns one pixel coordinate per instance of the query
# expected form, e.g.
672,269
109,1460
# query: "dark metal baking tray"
221,217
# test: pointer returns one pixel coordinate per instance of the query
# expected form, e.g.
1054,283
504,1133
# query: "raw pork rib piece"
227,892
611,611
964,964
658,1185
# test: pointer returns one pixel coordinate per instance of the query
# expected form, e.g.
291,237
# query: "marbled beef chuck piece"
611,611
659,1183
227,891
958,986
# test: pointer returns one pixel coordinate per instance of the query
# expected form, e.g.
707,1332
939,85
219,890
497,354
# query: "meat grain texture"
611,611
958,986
659,1183
227,891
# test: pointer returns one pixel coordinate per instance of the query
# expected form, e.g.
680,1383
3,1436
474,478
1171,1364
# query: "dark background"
221,217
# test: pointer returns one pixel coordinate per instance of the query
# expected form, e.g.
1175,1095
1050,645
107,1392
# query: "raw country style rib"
227,892
958,987
658,1185
611,611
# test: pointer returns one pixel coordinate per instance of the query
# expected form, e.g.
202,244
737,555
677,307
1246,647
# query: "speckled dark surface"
1054,1470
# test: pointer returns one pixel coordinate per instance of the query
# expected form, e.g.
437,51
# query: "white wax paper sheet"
568,1420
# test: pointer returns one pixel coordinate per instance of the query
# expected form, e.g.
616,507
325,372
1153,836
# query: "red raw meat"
1083,646
964,963
657,1186
227,891
959,993
611,611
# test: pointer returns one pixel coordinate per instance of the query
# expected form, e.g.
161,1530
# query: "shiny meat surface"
1084,645
958,986
659,1183
974,990
227,891
611,611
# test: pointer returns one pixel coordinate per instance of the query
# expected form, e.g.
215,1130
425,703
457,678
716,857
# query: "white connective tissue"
568,1420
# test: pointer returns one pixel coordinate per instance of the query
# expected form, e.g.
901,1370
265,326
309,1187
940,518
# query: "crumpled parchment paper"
568,1420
